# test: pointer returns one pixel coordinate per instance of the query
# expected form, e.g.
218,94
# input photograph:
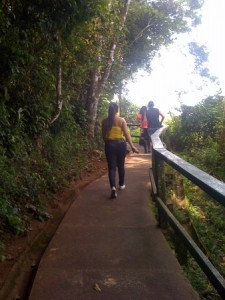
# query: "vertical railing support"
157,168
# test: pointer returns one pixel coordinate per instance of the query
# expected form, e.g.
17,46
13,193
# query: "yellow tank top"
115,133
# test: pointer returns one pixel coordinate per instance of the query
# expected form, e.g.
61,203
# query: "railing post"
157,167
154,168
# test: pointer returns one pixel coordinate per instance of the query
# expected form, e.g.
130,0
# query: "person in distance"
155,118
143,123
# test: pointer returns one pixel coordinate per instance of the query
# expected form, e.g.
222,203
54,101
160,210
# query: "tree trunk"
98,81
92,103
59,101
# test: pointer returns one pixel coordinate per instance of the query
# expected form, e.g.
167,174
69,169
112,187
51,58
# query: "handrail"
134,125
209,184
206,182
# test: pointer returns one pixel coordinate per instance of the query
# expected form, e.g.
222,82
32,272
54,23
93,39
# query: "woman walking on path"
114,128
143,123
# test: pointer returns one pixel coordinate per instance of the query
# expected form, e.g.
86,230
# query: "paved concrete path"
111,249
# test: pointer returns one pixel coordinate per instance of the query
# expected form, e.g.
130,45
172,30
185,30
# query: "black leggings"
147,139
115,152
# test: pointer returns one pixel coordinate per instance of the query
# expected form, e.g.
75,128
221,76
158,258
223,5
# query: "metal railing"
134,125
210,185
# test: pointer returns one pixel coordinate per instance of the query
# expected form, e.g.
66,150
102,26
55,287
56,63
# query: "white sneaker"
113,193
122,187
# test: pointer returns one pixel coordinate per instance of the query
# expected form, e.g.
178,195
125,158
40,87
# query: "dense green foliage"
201,128
34,173
61,64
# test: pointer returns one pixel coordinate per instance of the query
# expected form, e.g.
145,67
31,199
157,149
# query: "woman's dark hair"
113,109
143,111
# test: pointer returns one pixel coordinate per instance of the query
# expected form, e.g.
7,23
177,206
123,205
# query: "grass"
207,219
